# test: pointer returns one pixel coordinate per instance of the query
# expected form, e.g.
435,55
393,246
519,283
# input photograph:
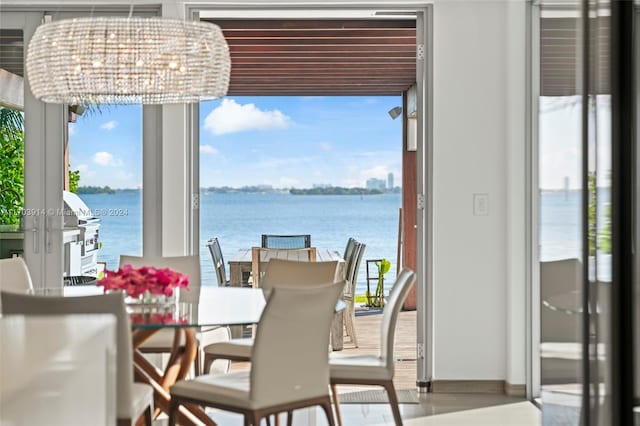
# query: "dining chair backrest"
218,261
348,250
285,369
14,275
286,241
279,272
398,294
261,256
189,265
112,303
353,266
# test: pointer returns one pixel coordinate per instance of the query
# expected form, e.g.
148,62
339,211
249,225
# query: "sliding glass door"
584,152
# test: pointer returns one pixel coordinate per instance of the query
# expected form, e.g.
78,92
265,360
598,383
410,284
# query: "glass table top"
217,306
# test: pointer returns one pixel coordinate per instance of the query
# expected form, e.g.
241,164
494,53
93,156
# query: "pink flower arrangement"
135,281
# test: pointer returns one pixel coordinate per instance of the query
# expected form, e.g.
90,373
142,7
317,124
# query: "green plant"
598,240
74,180
377,300
11,166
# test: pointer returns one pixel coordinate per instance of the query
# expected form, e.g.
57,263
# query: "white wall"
516,192
478,130
469,133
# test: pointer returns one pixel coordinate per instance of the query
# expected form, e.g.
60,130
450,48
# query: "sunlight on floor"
519,414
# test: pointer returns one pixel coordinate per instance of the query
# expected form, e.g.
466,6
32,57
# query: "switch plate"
481,204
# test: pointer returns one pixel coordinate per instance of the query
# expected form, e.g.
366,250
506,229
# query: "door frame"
424,166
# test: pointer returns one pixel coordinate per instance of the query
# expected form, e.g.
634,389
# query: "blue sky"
278,141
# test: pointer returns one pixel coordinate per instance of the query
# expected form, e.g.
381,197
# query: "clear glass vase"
148,298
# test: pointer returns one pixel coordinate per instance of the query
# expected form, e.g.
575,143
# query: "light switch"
481,204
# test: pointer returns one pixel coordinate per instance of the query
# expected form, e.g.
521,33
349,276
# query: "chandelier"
113,60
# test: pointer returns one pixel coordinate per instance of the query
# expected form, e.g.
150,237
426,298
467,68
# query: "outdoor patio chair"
352,270
286,374
133,400
218,262
279,273
14,276
375,369
286,241
348,250
162,341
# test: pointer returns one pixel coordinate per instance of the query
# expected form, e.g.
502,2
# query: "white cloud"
109,125
72,129
285,182
277,163
125,176
208,149
85,171
326,146
103,158
232,117
379,172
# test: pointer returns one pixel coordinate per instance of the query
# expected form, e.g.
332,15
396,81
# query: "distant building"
374,183
390,181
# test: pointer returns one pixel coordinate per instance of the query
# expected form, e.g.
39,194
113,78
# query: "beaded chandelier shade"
113,60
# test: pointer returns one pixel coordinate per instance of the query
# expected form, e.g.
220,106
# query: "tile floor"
434,409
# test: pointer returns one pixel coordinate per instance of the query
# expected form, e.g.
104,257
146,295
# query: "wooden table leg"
180,362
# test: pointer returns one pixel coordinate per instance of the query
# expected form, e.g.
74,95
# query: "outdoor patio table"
240,269
240,263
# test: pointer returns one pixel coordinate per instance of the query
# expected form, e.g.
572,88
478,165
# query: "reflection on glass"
560,202
11,147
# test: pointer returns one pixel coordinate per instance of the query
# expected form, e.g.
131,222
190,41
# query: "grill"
81,256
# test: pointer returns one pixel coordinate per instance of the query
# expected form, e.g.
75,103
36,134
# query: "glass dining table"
218,306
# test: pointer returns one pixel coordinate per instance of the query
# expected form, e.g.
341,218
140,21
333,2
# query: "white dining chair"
375,369
286,374
133,400
162,341
14,276
278,273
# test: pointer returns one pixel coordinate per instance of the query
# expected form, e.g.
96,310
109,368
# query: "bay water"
238,220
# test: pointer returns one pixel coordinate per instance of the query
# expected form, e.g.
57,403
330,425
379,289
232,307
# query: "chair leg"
290,418
173,411
336,404
255,418
393,400
352,316
349,324
206,364
326,406
197,363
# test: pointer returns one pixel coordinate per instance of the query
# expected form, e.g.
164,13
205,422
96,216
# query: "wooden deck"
368,331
